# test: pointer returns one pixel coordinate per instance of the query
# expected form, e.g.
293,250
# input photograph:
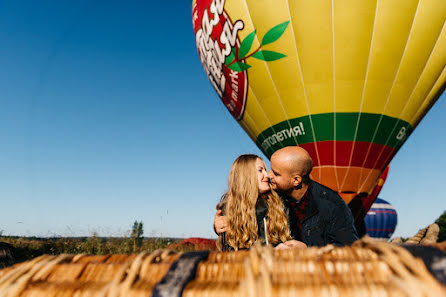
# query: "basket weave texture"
368,268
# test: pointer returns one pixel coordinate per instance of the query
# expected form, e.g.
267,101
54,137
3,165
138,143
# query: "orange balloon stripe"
353,179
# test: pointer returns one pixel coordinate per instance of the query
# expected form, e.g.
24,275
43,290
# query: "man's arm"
342,231
291,244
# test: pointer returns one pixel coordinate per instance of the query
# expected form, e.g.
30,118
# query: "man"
317,215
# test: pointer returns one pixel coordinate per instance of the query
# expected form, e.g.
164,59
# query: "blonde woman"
253,211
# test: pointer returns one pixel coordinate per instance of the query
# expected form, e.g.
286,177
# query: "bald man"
317,215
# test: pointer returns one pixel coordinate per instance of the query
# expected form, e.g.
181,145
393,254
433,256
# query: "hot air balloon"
380,221
346,80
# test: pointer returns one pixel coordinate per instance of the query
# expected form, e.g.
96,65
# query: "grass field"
26,248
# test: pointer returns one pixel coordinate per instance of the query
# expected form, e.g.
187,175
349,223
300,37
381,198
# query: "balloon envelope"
381,220
346,80
361,204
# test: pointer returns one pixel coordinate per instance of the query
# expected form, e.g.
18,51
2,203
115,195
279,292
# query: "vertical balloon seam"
249,117
269,73
433,85
246,113
381,116
429,66
419,78
435,97
261,108
387,101
264,113
256,99
253,121
363,92
410,97
421,75
246,126
303,85
423,110
441,82
390,92
334,93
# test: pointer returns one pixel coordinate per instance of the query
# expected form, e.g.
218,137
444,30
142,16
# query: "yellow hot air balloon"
347,80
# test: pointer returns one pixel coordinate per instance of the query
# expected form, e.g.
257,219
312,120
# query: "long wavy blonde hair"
239,207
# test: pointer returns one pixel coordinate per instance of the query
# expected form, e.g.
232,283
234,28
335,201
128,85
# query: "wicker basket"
367,268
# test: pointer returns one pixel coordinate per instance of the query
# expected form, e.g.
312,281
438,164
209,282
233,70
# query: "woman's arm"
220,223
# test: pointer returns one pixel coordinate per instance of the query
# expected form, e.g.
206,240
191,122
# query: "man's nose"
270,174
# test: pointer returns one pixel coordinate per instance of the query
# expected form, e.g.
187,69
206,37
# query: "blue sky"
107,117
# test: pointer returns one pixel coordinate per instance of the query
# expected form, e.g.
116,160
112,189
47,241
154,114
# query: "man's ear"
297,180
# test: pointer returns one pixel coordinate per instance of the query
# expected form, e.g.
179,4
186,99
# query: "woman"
248,205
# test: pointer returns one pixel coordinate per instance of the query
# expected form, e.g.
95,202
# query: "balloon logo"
380,221
346,80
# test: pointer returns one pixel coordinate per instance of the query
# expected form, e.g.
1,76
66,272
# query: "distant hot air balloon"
380,221
346,80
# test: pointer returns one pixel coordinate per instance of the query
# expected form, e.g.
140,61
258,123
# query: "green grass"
26,248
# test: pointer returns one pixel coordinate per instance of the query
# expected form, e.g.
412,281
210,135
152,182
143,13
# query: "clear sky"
106,117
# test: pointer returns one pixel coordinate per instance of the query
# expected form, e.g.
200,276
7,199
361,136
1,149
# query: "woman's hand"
290,244
220,223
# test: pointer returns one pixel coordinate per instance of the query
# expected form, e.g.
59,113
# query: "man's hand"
290,244
220,223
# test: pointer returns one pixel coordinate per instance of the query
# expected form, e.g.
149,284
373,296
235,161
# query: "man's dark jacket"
328,220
